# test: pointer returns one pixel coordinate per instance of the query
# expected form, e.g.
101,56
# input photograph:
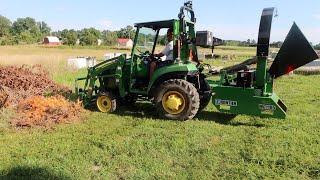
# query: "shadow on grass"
35,173
225,119
138,110
147,110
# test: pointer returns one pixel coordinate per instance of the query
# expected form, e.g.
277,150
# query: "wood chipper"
180,88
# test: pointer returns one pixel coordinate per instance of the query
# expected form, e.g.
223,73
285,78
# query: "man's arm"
166,51
159,55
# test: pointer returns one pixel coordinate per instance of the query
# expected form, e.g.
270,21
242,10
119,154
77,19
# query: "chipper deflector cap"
295,52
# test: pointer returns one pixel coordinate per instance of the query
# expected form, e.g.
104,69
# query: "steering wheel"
155,58
148,56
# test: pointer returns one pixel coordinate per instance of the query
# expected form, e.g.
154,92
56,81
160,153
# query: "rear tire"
106,102
177,99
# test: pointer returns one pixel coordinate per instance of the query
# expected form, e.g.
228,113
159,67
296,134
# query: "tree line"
250,43
29,31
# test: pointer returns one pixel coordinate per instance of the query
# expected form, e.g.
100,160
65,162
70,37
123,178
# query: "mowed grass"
133,143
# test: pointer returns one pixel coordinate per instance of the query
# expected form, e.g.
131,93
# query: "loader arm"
90,89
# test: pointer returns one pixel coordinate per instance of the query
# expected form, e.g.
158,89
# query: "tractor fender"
175,71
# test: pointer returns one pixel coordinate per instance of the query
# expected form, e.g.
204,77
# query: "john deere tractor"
179,89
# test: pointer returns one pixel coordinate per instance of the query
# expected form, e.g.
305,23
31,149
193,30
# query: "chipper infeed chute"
295,52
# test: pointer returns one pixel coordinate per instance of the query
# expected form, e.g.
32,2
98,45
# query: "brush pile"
3,97
37,99
45,111
23,82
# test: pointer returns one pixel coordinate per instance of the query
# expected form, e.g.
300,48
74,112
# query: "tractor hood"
295,52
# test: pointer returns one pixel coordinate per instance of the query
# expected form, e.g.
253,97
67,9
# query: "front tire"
177,99
106,102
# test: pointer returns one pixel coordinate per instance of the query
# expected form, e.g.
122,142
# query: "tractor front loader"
180,88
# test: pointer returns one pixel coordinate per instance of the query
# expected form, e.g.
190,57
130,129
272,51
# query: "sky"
228,19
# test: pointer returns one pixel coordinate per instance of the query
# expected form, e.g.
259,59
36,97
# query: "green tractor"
179,88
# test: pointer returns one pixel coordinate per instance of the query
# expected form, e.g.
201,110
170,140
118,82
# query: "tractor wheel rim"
173,102
104,104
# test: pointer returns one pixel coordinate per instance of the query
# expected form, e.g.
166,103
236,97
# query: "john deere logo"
267,107
226,102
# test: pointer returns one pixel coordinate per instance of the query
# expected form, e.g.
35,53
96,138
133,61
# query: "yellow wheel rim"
173,102
104,104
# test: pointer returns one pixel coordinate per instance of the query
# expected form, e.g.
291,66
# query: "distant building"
51,41
125,43
99,42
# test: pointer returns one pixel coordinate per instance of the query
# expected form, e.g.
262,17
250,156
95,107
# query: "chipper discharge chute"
251,91
179,87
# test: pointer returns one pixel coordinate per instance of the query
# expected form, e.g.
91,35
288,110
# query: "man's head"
170,34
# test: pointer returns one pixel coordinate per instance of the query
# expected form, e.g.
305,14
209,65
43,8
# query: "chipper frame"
181,88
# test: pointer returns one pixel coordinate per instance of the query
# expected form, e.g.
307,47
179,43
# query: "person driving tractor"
167,51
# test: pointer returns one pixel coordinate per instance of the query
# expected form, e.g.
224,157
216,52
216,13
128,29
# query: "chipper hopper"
181,88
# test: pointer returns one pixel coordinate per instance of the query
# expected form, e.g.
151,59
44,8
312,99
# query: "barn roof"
123,40
53,39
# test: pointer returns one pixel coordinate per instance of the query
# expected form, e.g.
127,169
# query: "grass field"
133,143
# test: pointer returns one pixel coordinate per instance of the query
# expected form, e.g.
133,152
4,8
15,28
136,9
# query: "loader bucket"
295,52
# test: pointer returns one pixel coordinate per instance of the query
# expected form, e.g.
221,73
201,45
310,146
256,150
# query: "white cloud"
106,23
231,32
60,9
313,34
317,16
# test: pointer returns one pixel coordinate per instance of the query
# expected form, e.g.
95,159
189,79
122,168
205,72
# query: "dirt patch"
37,99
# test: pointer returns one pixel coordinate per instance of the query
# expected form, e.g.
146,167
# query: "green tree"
69,37
5,25
26,37
89,36
25,24
276,44
127,32
109,38
27,30
317,47
9,40
44,28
